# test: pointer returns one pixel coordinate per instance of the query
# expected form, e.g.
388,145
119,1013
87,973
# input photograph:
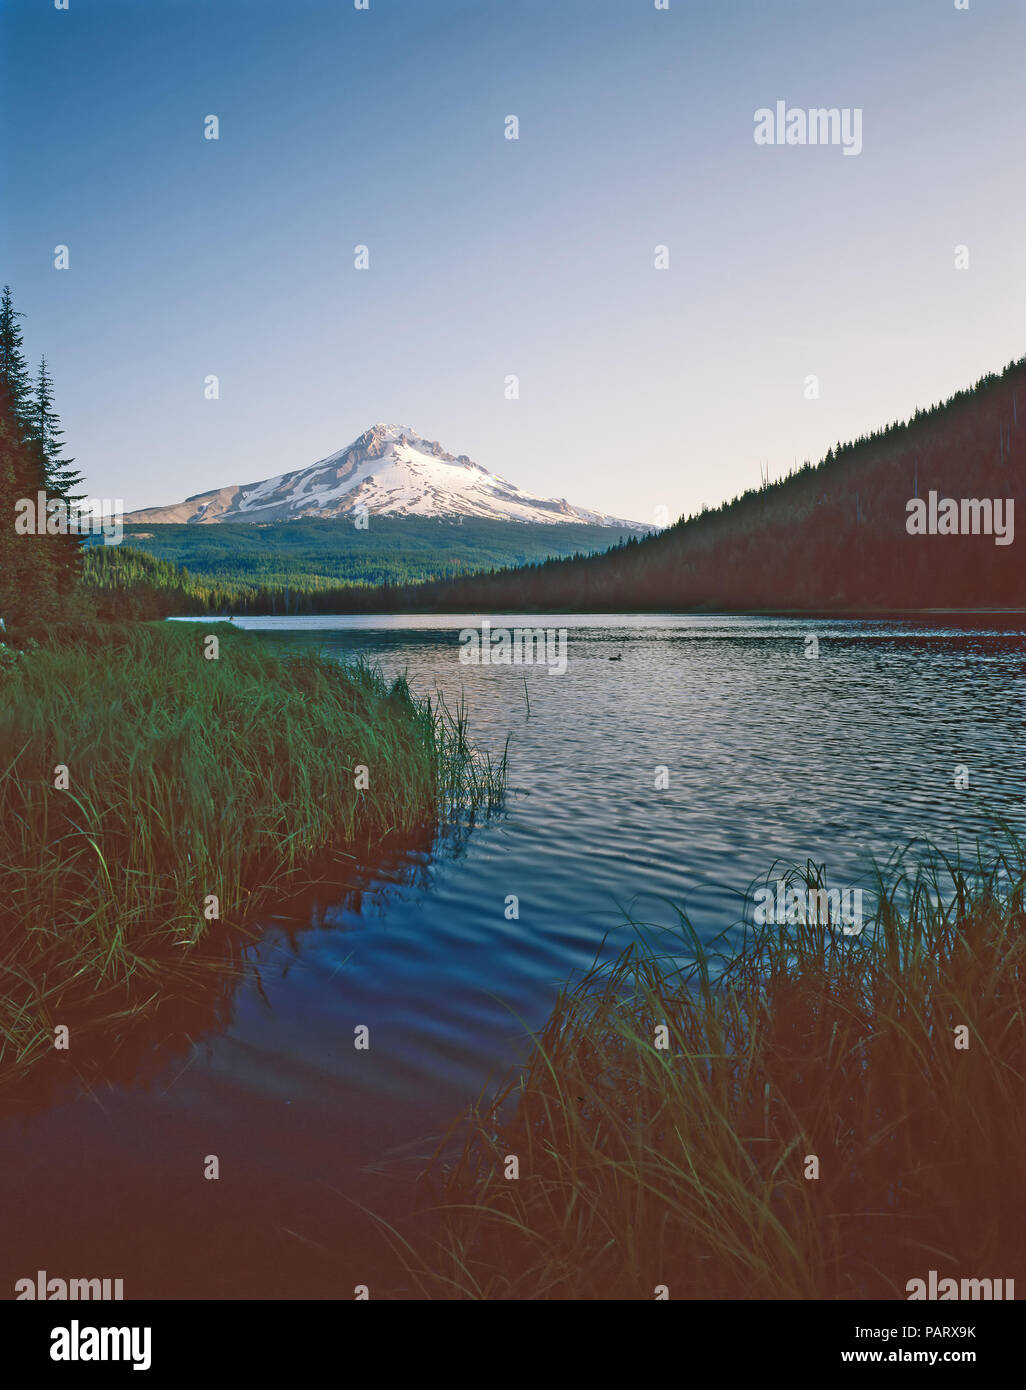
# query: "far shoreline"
847,615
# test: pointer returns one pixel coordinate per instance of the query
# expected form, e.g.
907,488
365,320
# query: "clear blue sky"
639,387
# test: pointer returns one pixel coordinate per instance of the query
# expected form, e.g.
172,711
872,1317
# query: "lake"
676,773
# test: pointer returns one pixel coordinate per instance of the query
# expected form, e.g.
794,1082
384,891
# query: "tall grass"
189,778
687,1167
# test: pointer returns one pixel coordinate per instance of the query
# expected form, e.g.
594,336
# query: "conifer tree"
14,374
61,478
47,439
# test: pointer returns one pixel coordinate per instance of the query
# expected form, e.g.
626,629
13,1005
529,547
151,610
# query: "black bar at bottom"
176,1339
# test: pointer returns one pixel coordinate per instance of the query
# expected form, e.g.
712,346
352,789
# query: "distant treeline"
127,583
829,537
317,553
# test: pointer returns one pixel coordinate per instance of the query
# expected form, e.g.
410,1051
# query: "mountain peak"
394,431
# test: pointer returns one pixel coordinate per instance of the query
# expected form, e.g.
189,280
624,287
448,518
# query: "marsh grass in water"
686,1167
188,778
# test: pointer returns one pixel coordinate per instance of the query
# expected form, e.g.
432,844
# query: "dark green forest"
315,552
831,537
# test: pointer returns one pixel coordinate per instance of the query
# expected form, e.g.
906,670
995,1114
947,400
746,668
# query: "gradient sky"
638,388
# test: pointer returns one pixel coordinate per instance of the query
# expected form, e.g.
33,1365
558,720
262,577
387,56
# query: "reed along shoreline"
163,780
816,1116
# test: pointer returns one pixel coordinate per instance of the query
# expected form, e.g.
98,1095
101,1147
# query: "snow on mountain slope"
391,471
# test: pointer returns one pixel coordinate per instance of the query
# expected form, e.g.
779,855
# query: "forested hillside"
831,537
312,553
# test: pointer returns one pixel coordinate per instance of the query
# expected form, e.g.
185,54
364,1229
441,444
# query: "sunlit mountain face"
389,471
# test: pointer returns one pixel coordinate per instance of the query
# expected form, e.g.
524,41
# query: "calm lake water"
768,755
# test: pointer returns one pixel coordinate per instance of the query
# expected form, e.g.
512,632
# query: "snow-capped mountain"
390,470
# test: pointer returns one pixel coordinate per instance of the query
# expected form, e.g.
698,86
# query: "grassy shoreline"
188,778
689,1166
